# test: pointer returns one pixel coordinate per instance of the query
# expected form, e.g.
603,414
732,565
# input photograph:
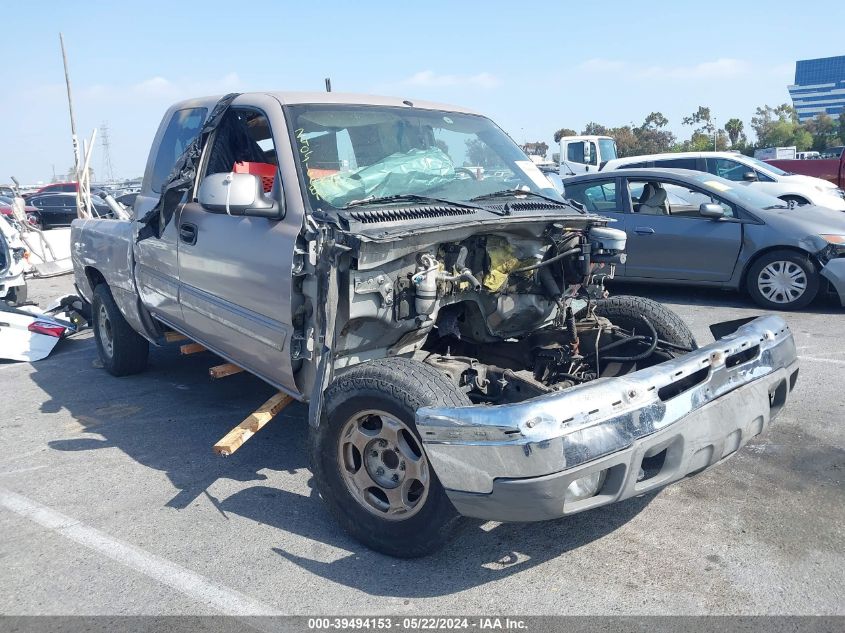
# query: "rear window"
677,163
183,128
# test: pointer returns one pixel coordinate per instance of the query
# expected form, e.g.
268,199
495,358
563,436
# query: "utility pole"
83,197
70,104
108,173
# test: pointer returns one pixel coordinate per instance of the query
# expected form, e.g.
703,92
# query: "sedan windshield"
350,153
749,197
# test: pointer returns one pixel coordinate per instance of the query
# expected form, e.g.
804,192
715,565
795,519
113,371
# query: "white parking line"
816,359
224,599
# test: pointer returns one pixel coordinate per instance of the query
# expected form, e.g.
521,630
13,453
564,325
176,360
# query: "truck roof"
289,98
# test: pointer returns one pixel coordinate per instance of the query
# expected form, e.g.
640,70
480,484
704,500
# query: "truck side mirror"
711,210
749,176
237,194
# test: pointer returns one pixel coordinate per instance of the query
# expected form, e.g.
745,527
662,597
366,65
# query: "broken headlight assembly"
835,247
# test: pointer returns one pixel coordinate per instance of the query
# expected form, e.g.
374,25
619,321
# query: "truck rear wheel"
368,461
122,350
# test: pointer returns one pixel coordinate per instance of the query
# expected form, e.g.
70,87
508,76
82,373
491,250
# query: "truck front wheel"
122,350
368,460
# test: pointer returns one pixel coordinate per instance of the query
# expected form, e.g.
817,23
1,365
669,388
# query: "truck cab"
581,154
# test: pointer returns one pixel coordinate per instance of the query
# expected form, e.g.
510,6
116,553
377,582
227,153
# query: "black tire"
17,295
397,387
759,271
121,349
626,312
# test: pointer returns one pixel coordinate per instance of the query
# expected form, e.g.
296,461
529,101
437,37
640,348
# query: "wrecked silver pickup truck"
407,271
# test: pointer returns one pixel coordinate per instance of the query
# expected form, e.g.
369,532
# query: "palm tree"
734,129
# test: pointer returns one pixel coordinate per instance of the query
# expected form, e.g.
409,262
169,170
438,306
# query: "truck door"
669,239
235,271
156,266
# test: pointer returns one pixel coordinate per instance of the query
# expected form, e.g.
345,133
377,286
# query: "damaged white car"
406,270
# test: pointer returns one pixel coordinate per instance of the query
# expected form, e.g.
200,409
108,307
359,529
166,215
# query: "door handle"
644,230
188,233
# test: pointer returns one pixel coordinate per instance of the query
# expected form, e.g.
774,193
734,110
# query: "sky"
532,67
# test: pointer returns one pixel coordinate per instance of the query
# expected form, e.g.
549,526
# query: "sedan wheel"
782,282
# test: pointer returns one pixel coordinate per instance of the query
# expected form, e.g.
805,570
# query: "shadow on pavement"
479,555
169,417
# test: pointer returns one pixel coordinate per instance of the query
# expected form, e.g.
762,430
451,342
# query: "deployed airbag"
414,171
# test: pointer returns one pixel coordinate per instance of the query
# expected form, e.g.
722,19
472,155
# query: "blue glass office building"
819,87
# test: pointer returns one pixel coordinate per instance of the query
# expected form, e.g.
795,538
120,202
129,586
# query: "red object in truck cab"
265,171
830,169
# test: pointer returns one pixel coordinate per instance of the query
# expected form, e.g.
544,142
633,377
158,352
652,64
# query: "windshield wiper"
779,206
409,197
516,192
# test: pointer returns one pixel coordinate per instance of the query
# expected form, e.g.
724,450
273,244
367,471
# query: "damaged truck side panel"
404,269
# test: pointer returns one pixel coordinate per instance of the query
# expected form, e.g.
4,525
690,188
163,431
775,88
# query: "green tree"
779,126
701,118
564,131
824,131
626,141
842,127
734,128
651,137
594,129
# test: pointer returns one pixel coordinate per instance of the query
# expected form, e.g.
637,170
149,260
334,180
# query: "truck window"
575,153
183,128
243,135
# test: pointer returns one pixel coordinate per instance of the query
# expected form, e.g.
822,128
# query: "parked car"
691,228
58,187
747,171
6,208
13,253
53,210
444,323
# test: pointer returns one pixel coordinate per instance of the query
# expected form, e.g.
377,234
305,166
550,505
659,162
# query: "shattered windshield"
352,153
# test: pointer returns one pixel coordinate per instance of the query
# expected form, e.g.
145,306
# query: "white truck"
776,153
580,154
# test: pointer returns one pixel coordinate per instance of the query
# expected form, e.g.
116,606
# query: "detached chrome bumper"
641,431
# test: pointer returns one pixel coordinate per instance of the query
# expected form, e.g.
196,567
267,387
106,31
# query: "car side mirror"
749,176
237,194
711,210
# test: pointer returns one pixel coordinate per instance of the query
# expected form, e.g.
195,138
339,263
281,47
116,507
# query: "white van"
744,169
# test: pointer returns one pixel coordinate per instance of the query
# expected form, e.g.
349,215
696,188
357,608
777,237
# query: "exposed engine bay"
509,311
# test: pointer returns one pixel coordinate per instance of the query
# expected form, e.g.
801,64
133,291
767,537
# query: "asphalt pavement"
112,502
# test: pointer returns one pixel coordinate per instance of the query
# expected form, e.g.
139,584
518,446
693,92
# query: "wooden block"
191,348
235,438
172,337
227,369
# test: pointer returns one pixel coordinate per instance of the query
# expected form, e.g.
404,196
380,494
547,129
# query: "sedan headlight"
835,247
